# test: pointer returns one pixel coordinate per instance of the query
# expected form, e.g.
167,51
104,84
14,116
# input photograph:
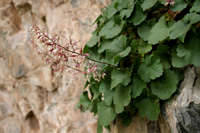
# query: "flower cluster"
169,2
59,56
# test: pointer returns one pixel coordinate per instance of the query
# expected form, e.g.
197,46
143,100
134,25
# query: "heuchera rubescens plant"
139,51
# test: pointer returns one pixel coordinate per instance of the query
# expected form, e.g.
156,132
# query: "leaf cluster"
148,45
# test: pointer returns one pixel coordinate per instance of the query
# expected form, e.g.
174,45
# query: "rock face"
32,99
183,112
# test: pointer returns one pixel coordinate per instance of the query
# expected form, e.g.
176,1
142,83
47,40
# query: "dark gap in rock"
44,19
15,18
2,87
41,92
33,121
153,127
23,8
189,119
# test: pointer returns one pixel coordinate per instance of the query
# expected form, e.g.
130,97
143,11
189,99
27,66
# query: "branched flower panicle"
61,56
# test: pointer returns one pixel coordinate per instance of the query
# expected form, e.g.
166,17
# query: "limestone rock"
183,111
32,99
142,125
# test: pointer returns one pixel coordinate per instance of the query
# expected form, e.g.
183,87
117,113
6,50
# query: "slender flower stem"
60,56
86,56
75,69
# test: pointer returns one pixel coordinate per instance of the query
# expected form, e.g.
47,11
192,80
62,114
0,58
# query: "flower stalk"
61,56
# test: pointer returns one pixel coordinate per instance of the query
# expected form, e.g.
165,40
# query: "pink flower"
169,2
58,56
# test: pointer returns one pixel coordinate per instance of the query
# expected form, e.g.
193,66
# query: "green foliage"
120,77
139,16
148,45
137,87
159,32
179,5
166,86
122,97
150,69
148,108
148,4
106,114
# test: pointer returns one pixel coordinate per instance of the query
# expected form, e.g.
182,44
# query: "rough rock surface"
142,125
183,111
32,99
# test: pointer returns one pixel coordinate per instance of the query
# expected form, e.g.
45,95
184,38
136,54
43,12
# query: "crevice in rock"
33,121
15,18
153,127
23,8
44,19
189,119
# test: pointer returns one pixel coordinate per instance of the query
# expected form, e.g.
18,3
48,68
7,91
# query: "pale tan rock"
138,125
32,99
11,125
4,3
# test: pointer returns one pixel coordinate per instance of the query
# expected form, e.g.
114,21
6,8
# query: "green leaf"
187,53
178,62
181,27
144,31
195,7
192,45
121,98
178,29
94,91
120,77
99,127
192,18
125,52
137,87
181,51
93,41
84,102
128,6
107,92
114,58
110,11
114,46
159,32
109,58
148,4
125,8
110,29
166,86
149,109
162,53
139,16
178,6
141,46
106,114
92,52
126,12
121,4
150,69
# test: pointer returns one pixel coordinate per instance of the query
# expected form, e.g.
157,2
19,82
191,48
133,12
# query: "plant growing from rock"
140,49
150,42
